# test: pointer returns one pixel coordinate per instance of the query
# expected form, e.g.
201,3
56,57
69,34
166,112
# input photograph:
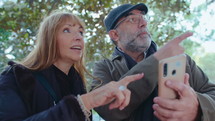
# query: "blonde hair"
45,52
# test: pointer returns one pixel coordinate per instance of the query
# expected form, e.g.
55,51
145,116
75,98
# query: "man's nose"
142,22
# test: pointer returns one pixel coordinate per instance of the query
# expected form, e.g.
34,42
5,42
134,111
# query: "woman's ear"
114,35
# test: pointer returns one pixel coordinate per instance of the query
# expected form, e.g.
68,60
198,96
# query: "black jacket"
22,97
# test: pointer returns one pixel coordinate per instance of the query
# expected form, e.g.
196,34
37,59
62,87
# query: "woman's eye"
66,31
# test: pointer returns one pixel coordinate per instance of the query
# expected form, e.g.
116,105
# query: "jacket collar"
152,49
116,54
130,62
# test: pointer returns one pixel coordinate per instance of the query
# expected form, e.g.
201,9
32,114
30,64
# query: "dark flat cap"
120,11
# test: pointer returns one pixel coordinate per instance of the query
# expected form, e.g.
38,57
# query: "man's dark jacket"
117,67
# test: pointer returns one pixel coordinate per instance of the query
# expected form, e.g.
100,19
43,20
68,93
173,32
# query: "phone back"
172,68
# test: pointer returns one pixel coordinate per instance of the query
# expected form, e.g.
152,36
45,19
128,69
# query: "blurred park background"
19,21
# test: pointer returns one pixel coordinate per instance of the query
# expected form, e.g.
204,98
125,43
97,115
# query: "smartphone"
172,68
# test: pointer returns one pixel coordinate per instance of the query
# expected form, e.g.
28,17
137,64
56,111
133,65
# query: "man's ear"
114,35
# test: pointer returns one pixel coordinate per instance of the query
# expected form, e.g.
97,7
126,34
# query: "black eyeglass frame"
126,16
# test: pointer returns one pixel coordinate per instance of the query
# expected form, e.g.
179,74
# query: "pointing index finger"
181,37
126,80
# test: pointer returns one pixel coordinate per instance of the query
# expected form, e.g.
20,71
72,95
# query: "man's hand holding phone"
172,68
185,107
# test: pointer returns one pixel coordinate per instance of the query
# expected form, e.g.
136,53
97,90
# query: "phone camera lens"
173,72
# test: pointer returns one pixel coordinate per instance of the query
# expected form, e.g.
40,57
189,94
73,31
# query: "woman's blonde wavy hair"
46,51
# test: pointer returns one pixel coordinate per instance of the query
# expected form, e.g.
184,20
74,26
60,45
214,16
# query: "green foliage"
20,20
4,35
206,62
192,48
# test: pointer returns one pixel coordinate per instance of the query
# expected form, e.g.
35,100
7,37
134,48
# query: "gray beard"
132,46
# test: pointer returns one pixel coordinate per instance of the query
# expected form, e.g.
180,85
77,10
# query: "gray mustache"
142,31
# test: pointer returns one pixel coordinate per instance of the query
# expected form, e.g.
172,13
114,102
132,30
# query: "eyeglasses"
133,19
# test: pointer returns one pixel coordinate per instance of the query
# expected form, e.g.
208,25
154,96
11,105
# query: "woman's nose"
78,36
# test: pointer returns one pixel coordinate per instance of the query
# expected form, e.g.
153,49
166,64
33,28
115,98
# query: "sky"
206,24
